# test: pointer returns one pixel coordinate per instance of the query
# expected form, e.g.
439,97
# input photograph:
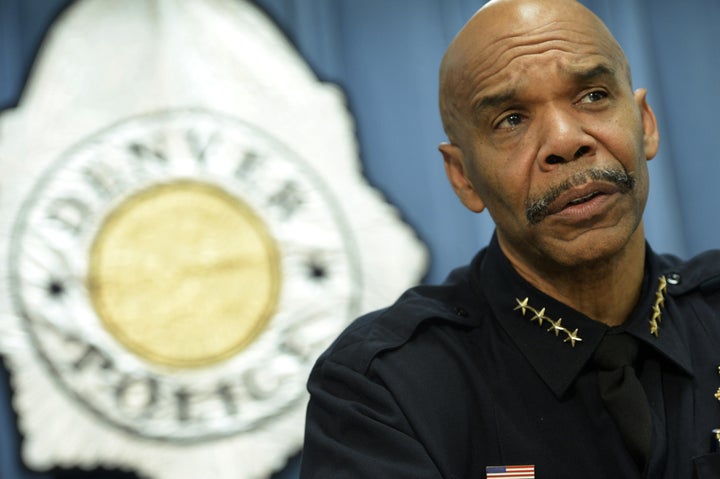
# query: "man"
567,346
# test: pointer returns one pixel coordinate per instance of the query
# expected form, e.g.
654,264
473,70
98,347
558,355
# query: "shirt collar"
557,340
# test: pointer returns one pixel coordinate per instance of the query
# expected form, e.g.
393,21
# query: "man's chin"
587,249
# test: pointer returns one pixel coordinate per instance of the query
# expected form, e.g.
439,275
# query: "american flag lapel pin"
515,472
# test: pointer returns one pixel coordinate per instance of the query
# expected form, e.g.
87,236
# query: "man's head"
546,132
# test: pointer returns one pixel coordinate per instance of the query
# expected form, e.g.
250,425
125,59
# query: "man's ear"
456,173
651,137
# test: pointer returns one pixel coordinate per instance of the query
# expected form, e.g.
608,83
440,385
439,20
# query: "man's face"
554,143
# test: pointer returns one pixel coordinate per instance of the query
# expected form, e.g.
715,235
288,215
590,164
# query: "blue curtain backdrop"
385,53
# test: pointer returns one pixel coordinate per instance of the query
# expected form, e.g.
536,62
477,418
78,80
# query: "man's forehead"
501,24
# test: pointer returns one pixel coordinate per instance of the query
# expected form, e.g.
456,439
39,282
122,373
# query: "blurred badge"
184,230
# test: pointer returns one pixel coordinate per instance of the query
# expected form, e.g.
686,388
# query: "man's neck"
606,291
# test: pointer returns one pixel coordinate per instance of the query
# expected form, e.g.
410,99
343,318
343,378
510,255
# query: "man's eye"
510,121
594,96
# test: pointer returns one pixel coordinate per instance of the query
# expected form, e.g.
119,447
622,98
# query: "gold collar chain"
659,304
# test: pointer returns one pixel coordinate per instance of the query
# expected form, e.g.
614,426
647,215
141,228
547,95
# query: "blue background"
385,54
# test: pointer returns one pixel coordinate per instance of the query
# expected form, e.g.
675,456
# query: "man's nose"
563,138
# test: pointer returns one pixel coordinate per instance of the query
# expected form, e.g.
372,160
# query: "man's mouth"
581,188
579,195
584,198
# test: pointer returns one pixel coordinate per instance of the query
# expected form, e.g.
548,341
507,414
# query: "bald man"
567,348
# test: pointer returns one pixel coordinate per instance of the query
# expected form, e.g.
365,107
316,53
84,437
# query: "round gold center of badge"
184,274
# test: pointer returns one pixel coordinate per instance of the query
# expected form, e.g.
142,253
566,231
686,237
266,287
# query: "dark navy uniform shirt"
485,370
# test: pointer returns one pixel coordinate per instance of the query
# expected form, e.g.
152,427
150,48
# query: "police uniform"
485,370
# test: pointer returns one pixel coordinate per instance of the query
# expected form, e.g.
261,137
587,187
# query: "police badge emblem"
175,265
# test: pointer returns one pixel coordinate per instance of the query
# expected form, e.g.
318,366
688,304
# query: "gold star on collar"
572,337
717,393
523,305
555,326
539,315
656,317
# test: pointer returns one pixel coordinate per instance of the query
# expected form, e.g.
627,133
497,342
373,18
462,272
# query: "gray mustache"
537,209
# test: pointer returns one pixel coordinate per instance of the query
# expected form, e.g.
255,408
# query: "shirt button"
673,278
460,312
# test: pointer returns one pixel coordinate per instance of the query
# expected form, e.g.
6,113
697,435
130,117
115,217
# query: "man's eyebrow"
580,75
494,101
590,74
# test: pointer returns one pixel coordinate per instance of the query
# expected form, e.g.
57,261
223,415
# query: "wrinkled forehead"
559,44
504,38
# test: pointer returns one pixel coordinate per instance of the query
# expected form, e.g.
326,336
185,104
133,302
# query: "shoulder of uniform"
391,327
701,272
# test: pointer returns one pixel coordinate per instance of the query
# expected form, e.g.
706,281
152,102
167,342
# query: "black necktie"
622,393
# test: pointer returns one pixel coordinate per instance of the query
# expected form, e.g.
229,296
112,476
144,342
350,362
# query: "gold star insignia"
572,337
539,315
717,394
555,326
522,305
